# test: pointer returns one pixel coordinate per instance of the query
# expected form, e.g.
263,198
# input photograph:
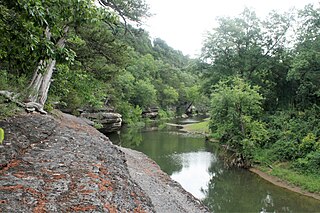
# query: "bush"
235,116
293,134
286,149
130,115
309,164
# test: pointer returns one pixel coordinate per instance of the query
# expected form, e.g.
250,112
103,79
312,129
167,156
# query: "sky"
183,23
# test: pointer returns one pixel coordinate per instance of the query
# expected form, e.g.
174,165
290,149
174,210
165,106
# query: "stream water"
196,165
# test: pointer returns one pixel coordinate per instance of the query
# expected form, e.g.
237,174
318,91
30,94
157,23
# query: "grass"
202,127
308,182
283,170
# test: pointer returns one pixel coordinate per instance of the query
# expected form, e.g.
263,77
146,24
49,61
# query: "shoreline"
283,184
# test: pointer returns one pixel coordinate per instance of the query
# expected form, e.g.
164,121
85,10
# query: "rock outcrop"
151,113
110,121
64,165
61,164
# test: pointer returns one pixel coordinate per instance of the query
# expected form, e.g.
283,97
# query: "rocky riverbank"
61,164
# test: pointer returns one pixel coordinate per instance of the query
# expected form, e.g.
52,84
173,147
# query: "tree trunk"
40,84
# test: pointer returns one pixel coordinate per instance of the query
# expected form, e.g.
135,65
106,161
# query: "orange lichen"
86,192
59,176
40,208
15,187
11,164
20,174
83,208
102,187
92,175
105,185
34,192
104,171
98,165
105,182
139,210
111,208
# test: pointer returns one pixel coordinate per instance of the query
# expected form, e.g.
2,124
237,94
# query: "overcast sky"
183,23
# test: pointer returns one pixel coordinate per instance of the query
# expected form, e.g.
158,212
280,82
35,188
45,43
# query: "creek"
197,165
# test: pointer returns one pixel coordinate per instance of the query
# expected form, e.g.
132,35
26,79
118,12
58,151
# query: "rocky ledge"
61,164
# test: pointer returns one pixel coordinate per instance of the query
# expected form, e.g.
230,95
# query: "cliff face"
63,165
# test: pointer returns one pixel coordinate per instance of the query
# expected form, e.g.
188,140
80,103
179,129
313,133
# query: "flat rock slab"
63,165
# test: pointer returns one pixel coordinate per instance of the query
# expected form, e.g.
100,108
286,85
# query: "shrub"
310,164
235,116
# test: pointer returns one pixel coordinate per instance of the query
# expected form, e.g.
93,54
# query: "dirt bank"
60,164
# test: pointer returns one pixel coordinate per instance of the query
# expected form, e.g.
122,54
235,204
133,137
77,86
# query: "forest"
259,79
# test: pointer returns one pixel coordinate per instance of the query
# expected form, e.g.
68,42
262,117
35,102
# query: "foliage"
305,67
97,125
165,115
251,48
284,126
7,108
308,182
309,164
144,94
77,88
235,116
170,97
294,134
130,114
1,135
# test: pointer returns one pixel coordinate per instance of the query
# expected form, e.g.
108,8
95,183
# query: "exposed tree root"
29,106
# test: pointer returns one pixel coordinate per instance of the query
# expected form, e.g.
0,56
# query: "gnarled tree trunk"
40,84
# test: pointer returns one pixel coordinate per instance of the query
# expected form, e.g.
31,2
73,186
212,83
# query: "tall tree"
248,47
305,69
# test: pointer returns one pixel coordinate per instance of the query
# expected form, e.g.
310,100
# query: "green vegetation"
265,93
201,127
263,83
1,135
308,182
74,55
234,116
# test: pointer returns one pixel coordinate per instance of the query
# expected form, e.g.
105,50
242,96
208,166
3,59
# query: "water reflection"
237,190
195,165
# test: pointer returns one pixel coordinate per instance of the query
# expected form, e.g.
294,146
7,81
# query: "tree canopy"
263,79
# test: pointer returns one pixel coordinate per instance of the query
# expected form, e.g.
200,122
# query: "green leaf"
1,135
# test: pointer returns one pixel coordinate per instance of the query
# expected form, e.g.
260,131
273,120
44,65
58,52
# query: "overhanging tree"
47,25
